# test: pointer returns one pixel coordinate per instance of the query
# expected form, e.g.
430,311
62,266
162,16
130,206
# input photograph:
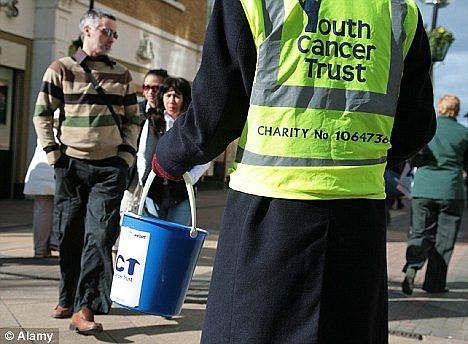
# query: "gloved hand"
161,172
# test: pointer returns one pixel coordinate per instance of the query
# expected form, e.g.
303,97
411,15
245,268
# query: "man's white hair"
92,18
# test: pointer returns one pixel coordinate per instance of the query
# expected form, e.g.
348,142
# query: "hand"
62,161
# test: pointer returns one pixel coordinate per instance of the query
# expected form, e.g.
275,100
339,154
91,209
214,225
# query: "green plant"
441,36
440,40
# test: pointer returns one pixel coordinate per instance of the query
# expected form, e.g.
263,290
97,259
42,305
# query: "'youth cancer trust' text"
314,48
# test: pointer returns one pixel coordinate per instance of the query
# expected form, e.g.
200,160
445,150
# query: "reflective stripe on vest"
324,96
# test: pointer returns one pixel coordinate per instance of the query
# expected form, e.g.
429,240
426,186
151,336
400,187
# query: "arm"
130,123
50,97
415,122
220,94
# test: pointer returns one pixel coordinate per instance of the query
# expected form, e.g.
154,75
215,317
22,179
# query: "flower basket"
439,40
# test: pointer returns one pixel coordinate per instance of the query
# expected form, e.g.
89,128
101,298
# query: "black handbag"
424,157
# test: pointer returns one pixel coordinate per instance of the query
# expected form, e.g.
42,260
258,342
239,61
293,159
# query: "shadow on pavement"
422,305
29,261
189,320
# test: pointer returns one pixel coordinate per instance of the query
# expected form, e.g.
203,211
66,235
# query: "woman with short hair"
438,201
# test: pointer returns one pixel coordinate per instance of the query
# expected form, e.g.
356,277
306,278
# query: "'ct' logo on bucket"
120,264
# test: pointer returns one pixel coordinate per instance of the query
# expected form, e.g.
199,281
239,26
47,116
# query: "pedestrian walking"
39,183
438,201
323,94
98,130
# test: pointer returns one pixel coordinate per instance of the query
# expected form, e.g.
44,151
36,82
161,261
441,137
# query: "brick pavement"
28,288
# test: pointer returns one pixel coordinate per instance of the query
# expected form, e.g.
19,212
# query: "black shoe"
46,254
435,291
407,285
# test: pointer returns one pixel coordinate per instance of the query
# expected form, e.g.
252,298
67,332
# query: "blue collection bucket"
156,260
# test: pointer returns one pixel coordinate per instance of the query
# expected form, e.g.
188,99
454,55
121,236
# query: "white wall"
23,24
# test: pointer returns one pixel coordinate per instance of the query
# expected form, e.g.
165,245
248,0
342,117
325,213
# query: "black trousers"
86,220
290,271
434,228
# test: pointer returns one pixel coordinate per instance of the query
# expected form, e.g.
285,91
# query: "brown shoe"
83,322
60,312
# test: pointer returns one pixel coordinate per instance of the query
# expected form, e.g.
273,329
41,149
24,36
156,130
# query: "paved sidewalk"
28,289
421,314
28,286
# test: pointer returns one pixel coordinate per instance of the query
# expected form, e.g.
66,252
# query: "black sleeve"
415,122
465,162
220,94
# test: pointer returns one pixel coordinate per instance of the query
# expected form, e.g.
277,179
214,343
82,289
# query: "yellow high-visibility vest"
324,96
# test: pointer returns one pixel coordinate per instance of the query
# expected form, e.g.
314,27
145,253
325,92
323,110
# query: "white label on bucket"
129,267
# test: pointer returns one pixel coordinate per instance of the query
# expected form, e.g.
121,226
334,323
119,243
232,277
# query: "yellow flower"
441,29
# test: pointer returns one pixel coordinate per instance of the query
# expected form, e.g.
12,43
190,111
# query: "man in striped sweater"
91,160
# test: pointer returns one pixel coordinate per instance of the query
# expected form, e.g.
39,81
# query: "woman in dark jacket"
167,199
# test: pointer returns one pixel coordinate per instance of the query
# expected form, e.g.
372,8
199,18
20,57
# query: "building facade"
152,34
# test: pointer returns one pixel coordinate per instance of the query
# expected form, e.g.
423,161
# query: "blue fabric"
290,271
391,183
177,213
180,213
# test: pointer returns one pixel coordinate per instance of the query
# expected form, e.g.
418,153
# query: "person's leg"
448,225
53,238
388,205
421,238
354,293
42,224
267,276
180,213
107,180
422,234
69,209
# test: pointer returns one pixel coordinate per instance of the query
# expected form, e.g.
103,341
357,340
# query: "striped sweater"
88,130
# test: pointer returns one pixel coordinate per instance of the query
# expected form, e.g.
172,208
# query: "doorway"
6,110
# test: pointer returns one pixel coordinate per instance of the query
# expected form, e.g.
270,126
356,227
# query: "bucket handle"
191,194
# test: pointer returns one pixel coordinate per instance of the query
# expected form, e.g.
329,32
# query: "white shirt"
169,121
